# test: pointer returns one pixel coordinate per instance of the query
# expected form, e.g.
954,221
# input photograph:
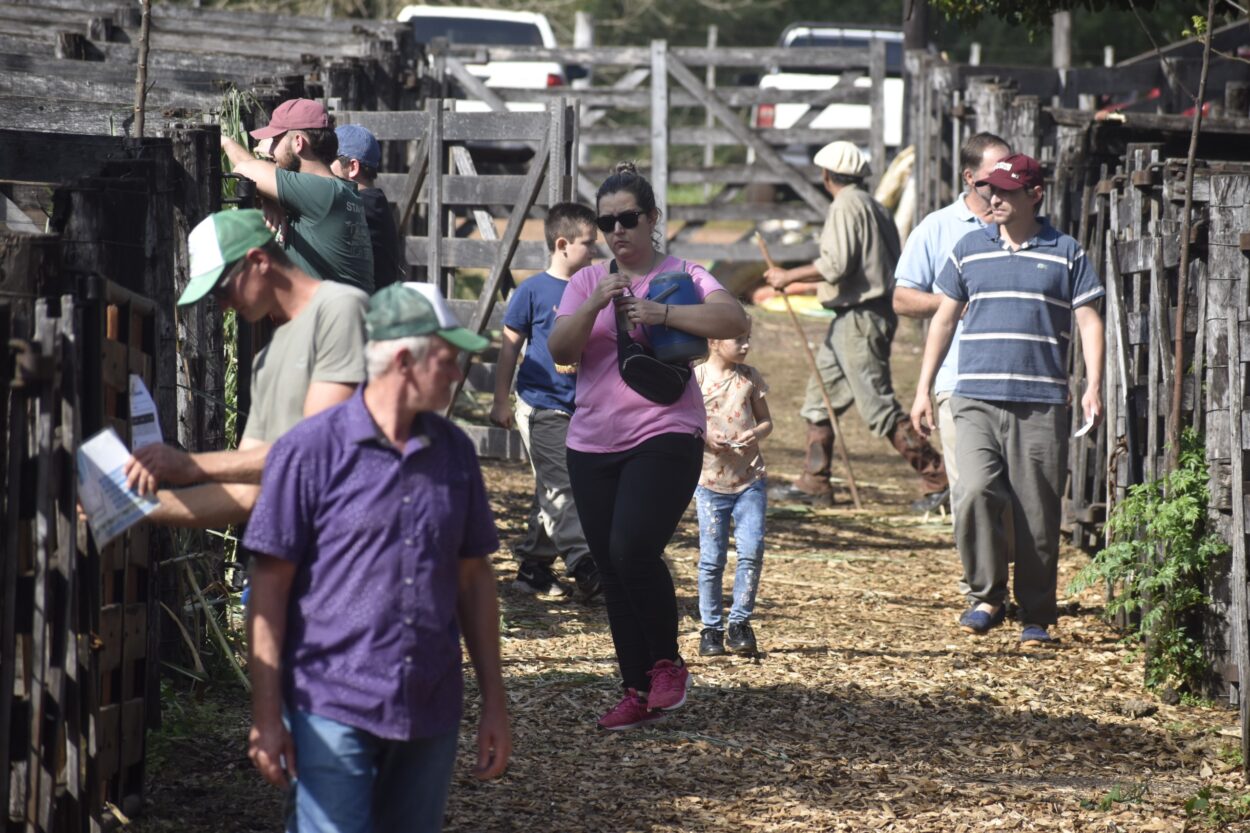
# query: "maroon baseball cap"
296,114
1013,173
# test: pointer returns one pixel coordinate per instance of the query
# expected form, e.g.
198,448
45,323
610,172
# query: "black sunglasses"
221,290
627,219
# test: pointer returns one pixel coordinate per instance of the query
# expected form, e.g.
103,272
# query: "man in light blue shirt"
927,250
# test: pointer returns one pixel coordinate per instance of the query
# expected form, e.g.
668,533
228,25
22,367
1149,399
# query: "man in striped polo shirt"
1022,283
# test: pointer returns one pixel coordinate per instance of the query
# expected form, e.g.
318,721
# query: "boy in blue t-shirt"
544,406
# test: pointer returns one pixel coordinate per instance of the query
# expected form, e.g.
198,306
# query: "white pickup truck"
846,116
491,27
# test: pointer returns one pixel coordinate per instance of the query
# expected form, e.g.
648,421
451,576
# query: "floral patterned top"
729,402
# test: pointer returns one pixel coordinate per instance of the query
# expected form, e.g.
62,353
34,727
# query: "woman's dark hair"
625,177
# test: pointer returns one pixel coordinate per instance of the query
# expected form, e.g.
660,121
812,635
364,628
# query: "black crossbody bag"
658,381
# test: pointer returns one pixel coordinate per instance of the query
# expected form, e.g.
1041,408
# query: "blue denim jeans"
715,510
351,781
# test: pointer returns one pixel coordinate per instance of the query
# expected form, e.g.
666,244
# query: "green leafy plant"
1157,562
1118,794
1218,806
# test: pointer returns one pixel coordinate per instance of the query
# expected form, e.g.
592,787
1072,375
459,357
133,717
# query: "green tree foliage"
1031,14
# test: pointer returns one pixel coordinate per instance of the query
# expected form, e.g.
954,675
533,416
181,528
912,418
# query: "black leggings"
630,503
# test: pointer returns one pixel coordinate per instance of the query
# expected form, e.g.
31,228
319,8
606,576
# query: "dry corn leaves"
868,709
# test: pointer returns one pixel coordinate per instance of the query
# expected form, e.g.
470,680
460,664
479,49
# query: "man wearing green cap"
372,535
315,360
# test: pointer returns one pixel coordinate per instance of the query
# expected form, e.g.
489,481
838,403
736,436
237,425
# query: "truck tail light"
554,80
766,115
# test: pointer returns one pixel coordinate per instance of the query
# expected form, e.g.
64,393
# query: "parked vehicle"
849,116
492,27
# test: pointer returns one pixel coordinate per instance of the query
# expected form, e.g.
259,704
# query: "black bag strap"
623,341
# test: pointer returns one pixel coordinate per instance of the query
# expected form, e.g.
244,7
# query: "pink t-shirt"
610,416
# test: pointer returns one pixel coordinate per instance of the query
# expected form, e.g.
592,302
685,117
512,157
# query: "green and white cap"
417,309
217,243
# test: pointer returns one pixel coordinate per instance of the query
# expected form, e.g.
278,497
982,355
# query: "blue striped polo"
1016,332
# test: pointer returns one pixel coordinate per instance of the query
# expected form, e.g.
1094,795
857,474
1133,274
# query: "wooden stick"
840,443
141,70
226,650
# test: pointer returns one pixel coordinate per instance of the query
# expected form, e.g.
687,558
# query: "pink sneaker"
631,712
669,684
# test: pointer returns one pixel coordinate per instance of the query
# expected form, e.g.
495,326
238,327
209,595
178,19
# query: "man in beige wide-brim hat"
859,249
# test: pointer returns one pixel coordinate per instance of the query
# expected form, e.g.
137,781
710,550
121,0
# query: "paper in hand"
1085,429
145,428
111,507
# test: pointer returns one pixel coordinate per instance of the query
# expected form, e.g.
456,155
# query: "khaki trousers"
554,528
1012,458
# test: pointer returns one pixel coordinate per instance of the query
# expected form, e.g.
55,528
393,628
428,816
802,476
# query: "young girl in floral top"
732,486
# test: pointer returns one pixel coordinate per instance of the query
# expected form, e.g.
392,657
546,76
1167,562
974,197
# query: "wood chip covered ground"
867,710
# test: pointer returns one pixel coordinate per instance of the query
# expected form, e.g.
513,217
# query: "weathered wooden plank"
464,312
82,118
109,89
190,79
745,211
732,133
460,190
659,133
824,59
477,254
511,236
635,99
43,723
457,127
745,135
12,453
434,216
1239,576
744,252
876,104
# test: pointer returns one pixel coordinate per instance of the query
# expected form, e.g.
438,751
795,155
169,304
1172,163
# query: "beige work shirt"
859,250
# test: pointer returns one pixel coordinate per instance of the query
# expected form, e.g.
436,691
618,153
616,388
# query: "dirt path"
868,709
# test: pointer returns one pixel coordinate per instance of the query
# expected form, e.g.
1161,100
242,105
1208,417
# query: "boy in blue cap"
359,158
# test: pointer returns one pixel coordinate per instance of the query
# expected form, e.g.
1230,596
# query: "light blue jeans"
351,781
746,508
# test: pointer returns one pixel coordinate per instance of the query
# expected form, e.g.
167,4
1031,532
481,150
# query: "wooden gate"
651,102
453,207
78,684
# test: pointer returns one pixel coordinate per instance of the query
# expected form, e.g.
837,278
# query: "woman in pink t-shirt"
634,464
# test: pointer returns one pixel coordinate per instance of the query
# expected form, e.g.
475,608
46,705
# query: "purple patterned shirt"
372,639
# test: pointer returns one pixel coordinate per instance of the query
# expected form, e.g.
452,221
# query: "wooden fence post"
709,121
659,134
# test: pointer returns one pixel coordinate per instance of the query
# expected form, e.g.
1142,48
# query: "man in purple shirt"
372,533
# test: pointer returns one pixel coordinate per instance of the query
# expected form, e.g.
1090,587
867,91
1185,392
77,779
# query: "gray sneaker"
538,580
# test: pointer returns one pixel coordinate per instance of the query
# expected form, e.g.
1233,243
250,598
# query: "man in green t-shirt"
320,219
314,361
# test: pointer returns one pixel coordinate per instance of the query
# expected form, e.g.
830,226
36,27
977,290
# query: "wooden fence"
450,204
1116,183
69,65
653,101
83,308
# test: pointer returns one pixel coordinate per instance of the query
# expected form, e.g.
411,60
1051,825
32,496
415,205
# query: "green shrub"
1156,561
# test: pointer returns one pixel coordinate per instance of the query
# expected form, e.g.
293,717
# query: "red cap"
1013,173
296,114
